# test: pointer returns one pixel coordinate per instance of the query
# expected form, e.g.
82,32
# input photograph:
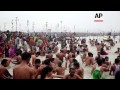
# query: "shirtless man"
86,48
64,50
69,55
79,70
98,70
45,63
56,49
72,75
98,46
61,55
72,61
4,74
38,55
98,56
33,57
31,42
92,43
36,68
84,56
18,58
115,67
8,59
49,56
23,71
118,50
60,70
56,60
89,60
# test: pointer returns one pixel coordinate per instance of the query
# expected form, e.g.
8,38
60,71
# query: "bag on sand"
97,74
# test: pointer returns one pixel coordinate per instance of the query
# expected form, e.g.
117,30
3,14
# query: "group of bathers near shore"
25,52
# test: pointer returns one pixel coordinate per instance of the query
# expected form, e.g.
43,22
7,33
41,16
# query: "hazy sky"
82,20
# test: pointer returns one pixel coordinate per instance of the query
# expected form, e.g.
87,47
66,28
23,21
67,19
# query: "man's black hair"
77,64
4,61
74,60
26,56
52,59
106,57
37,61
71,69
18,53
90,54
99,62
47,62
73,56
38,53
117,61
60,63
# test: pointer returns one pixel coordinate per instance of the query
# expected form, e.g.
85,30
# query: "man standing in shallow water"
23,71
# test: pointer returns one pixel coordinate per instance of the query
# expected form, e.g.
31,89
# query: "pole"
61,28
20,27
12,24
0,29
16,22
28,26
58,27
46,27
74,28
33,27
119,36
4,26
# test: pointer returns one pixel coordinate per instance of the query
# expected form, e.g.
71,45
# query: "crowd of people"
24,51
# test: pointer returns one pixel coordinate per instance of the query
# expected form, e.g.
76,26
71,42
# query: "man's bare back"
89,61
22,71
80,72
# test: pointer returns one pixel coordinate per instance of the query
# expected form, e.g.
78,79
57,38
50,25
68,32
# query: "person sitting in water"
108,47
89,60
60,70
56,48
86,47
17,58
47,73
36,68
79,70
98,69
72,74
61,55
115,67
98,56
98,46
118,50
72,60
106,61
84,56
103,52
